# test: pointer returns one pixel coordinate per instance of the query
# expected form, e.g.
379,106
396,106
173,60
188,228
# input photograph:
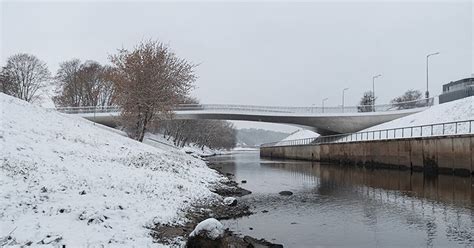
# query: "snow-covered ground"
67,181
158,140
459,110
299,134
455,111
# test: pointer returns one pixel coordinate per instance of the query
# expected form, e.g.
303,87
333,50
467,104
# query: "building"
457,90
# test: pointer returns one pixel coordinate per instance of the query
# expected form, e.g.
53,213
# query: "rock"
82,192
50,239
287,193
208,233
244,181
230,201
262,243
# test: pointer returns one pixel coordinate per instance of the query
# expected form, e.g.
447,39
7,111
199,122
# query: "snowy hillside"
300,134
157,140
65,181
459,110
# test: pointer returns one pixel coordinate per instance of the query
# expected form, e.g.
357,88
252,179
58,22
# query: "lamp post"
344,90
323,103
427,93
373,91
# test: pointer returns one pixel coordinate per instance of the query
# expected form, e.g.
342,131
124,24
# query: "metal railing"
423,103
429,130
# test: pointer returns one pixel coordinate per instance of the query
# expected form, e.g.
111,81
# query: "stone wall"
449,154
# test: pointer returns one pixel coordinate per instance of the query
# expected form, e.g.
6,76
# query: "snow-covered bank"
166,143
65,179
300,134
460,110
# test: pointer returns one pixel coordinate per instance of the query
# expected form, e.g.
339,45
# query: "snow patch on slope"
62,176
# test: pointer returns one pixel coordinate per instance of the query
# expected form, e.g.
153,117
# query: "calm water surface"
337,206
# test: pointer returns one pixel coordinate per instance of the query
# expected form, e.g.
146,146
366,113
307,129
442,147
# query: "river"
346,206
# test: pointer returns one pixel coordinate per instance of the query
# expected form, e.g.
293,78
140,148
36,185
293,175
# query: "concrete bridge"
323,120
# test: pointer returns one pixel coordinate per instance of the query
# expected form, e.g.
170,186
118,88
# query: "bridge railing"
88,109
268,109
429,130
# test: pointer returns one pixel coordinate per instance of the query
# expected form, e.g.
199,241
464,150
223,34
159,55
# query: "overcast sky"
267,53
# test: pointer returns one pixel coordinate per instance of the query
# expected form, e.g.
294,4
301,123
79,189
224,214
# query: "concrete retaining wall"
450,154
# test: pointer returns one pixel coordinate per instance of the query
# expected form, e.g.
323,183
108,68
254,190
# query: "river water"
342,206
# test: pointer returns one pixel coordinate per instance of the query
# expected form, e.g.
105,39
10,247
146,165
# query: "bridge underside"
322,124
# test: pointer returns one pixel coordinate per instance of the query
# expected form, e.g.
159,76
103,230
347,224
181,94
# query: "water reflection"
344,206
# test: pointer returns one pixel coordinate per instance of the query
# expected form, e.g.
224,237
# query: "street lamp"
344,90
323,103
373,91
427,94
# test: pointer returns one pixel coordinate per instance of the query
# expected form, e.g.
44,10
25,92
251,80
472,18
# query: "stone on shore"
230,201
208,233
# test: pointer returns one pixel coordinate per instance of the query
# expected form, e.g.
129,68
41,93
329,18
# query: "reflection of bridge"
327,120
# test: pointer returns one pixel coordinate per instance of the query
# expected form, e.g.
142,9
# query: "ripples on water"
337,205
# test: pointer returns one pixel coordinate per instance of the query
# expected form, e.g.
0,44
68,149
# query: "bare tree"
23,76
408,100
86,84
150,81
366,102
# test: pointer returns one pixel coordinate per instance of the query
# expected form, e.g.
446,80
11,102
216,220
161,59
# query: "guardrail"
430,130
272,109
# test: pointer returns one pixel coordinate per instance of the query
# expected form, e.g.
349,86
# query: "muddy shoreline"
176,236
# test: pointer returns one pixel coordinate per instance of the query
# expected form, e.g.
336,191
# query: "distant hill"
252,137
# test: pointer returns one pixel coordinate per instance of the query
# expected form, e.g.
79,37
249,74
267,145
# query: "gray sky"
267,53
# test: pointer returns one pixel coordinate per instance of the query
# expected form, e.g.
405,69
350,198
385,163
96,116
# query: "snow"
211,228
459,110
192,149
299,134
67,181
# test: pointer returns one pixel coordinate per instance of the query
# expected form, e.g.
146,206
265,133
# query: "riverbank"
69,182
175,235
